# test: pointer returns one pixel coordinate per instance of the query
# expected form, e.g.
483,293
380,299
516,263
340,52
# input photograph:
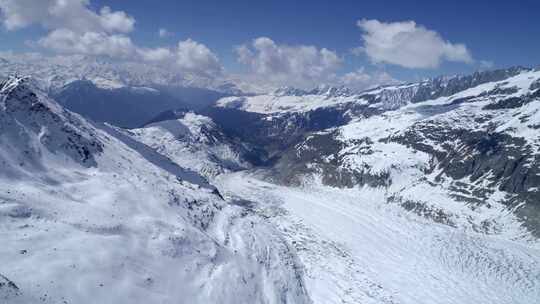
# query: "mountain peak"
324,90
289,91
333,91
12,82
15,88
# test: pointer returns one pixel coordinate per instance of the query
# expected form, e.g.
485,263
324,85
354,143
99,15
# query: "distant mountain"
126,94
53,73
128,107
445,134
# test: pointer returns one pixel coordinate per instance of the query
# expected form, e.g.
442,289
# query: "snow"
269,104
522,122
286,100
95,214
359,246
53,72
125,225
358,249
194,142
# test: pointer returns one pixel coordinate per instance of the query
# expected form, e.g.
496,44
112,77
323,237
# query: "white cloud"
76,29
302,66
164,33
409,45
74,15
156,54
245,55
116,21
188,55
299,65
361,80
90,43
196,57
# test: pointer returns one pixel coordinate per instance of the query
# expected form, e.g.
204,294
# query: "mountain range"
119,191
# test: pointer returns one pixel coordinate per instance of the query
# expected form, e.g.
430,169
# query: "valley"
323,196
358,249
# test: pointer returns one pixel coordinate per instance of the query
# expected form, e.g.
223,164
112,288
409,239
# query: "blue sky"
494,33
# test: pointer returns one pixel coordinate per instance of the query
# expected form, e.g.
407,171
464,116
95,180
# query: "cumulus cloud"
409,45
116,21
76,29
156,54
196,57
299,65
188,55
90,43
69,14
361,79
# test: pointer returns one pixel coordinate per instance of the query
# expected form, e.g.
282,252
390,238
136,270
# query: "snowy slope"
418,193
288,100
88,215
358,249
281,119
194,141
433,199
469,160
291,100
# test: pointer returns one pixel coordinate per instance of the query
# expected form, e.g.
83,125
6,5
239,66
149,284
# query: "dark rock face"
8,289
509,103
535,85
242,127
320,153
56,129
506,163
278,132
168,115
444,86
512,102
275,133
438,87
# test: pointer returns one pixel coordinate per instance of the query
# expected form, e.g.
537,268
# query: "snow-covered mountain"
51,73
414,193
194,141
291,100
123,93
431,184
87,214
472,139
477,148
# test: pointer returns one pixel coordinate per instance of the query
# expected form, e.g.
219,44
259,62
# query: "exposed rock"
8,289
